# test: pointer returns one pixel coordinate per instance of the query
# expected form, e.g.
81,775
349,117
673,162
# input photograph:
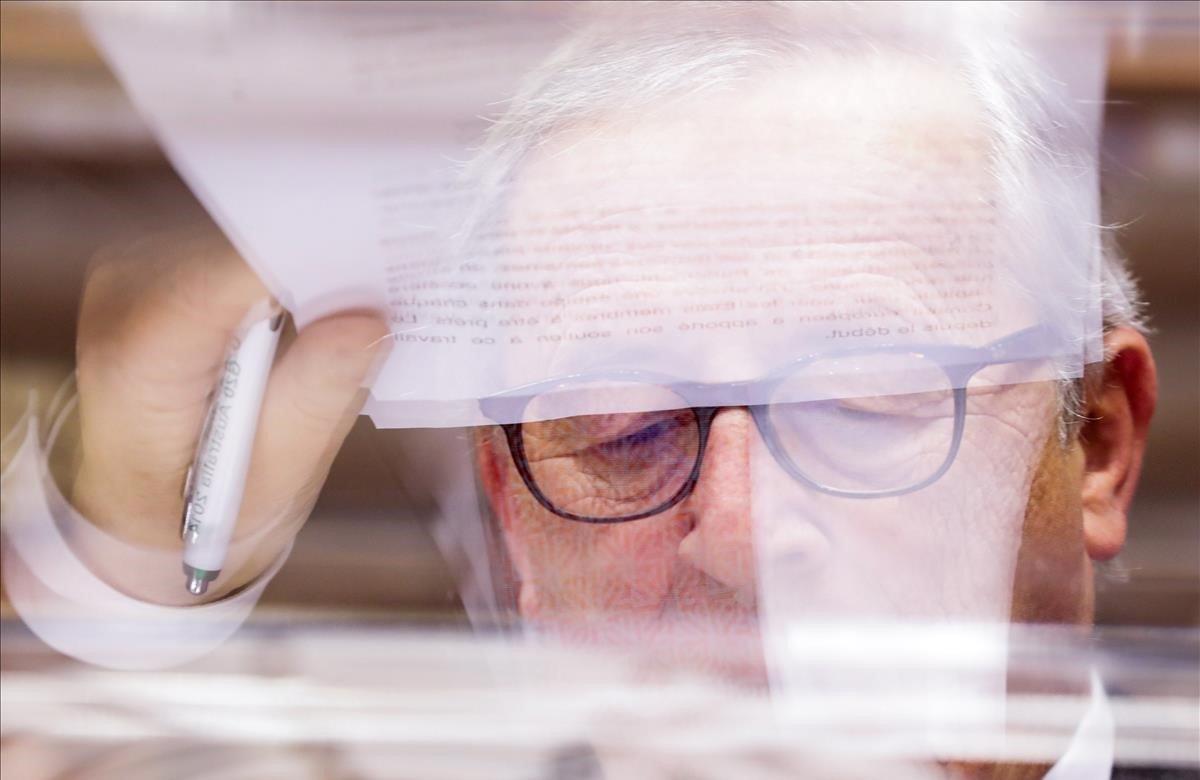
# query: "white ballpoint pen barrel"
217,479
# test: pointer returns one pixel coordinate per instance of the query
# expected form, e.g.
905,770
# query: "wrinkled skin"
1009,533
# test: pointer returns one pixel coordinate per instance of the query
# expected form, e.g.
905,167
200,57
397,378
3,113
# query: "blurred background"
79,170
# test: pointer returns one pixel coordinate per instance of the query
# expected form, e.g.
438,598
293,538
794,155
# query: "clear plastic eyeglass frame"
959,363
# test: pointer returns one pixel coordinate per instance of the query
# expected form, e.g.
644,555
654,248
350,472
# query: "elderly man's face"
875,183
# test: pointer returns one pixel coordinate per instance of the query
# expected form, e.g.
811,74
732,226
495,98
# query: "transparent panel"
871,436
610,465
690,390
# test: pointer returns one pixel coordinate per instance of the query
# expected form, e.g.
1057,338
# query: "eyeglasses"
893,427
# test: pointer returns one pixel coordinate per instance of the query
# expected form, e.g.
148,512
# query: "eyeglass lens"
886,423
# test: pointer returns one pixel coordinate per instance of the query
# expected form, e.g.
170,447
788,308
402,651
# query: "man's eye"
639,438
929,404
860,411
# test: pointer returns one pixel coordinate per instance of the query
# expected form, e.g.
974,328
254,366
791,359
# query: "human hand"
154,326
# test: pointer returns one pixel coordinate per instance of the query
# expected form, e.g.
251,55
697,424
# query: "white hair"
626,58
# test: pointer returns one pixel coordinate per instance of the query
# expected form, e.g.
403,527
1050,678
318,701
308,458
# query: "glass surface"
612,465
433,619
884,423
893,427
609,466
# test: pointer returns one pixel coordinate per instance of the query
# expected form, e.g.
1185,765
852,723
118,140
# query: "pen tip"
198,579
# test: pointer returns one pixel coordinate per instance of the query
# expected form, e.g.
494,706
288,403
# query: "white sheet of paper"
328,144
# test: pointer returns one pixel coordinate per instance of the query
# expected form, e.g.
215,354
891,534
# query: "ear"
1118,411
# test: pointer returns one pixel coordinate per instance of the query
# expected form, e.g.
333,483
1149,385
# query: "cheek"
1053,581
1001,455
989,489
948,550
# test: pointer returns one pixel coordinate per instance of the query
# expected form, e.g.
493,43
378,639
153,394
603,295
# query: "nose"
721,541
745,512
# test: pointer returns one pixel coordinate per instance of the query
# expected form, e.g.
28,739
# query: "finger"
155,323
312,399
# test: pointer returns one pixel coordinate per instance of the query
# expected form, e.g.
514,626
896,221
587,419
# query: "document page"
414,157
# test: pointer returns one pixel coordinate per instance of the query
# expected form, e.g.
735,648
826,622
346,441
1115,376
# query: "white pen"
212,492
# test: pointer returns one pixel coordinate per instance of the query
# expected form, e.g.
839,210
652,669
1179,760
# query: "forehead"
755,219
827,143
